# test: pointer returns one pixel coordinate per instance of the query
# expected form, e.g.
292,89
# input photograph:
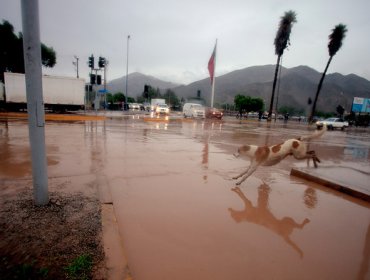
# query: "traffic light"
91,62
101,62
92,79
98,79
146,91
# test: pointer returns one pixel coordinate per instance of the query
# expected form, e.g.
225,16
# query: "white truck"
155,102
59,93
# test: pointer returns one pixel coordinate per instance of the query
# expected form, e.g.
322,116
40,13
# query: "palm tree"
282,40
335,43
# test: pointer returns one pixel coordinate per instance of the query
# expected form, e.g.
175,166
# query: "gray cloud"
173,40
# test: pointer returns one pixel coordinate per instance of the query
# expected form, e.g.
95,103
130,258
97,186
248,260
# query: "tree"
340,110
171,98
248,104
257,104
11,51
118,97
282,40
130,99
240,103
335,43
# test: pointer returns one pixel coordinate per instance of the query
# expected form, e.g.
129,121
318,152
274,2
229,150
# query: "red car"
214,113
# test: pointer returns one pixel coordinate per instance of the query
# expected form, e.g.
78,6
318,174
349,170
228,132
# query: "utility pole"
35,104
126,95
105,83
76,64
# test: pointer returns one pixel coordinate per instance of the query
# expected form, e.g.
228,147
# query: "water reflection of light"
163,126
310,198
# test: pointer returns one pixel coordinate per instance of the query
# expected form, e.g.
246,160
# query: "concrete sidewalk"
347,180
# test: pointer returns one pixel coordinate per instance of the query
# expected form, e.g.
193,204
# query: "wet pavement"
179,213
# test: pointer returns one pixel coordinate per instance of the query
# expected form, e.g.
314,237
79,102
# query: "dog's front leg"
243,173
249,172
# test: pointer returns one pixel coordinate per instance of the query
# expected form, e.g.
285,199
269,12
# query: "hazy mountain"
136,82
296,86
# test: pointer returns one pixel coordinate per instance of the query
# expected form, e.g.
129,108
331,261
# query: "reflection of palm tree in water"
261,215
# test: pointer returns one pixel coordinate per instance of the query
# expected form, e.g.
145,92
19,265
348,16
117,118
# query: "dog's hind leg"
312,155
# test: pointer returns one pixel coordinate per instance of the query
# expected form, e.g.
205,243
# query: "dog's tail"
318,133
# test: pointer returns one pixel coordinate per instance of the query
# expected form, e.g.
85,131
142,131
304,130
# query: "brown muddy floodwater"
179,213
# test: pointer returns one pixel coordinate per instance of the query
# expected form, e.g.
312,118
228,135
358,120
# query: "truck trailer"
59,93
155,102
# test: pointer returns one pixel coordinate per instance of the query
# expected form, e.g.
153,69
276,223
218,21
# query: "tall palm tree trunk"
273,87
319,89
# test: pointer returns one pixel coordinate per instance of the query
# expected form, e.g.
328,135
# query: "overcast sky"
173,39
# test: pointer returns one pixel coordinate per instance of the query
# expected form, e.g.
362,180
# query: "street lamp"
126,95
75,63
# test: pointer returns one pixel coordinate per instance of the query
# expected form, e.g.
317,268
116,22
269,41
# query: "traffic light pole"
35,104
96,101
95,79
105,85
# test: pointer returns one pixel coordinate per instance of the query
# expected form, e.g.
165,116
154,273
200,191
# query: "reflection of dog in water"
271,155
261,215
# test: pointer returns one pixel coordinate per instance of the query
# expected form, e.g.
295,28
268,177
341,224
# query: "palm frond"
282,39
336,38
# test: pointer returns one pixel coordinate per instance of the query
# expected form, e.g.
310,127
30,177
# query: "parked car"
214,113
193,110
332,123
162,109
134,106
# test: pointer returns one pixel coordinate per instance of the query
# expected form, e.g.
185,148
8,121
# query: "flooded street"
179,213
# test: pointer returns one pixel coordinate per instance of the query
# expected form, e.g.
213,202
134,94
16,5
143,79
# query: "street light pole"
126,95
76,63
35,104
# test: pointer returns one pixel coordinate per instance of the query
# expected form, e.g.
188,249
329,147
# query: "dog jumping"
271,155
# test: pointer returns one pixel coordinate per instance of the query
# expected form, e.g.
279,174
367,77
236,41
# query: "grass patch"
80,268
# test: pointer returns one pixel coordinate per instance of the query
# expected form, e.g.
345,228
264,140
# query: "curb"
330,184
116,264
55,117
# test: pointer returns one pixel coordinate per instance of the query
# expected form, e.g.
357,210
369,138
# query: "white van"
193,110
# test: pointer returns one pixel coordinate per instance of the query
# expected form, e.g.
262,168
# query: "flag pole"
214,76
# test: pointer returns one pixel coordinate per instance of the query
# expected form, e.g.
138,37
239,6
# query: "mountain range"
296,85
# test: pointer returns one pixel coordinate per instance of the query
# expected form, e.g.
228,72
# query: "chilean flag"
212,64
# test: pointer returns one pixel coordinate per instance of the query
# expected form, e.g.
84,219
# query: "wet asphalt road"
179,213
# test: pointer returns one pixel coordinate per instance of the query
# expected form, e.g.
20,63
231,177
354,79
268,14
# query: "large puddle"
180,214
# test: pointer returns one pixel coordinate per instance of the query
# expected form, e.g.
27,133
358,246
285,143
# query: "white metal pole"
128,38
213,91
35,104
214,76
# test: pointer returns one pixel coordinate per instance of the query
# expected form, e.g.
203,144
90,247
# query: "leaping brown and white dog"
271,155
